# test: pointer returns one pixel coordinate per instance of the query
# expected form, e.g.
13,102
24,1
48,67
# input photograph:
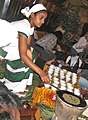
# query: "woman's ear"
32,14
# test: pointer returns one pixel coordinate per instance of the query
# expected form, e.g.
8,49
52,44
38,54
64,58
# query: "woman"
77,50
80,45
18,52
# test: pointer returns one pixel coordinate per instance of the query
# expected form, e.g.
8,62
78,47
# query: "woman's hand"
45,78
86,45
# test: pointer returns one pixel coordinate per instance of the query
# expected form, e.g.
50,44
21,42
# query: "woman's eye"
41,17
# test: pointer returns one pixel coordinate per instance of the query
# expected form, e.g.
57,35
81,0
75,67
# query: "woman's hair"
40,12
84,29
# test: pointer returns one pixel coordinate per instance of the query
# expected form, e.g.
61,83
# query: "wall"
57,14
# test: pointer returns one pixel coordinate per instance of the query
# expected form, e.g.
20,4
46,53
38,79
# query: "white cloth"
27,11
19,86
23,26
9,43
10,38
68,59
74,60
8,33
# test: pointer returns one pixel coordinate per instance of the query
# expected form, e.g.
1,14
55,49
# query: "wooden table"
28,113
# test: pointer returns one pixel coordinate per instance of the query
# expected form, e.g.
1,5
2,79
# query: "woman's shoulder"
23,26
23,22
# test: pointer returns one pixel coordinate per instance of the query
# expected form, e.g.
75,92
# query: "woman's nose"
43,21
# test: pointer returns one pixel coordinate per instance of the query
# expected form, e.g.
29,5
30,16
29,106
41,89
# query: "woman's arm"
23,47
81,46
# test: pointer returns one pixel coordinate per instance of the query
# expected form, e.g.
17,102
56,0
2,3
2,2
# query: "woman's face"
38,18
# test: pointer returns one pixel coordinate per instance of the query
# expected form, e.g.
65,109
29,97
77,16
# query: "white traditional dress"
17,74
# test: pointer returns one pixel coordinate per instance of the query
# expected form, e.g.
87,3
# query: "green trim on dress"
22,33
2,52
16,64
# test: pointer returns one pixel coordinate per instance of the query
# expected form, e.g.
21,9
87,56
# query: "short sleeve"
23,27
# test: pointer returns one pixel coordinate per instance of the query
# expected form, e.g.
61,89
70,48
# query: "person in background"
46,45
84,29
16,38
80,45
61,49
84,78
76,51
61,31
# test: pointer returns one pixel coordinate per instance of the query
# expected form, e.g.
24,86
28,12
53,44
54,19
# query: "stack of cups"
74,78
69,87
